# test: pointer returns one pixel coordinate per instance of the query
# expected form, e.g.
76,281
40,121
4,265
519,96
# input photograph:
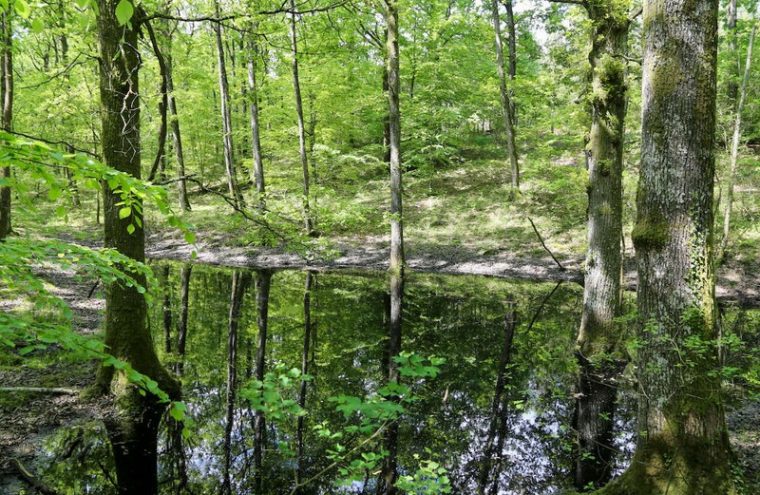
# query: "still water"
486,403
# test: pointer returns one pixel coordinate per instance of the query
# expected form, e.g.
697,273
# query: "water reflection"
497,416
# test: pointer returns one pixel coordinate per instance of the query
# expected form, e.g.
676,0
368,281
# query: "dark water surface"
450,428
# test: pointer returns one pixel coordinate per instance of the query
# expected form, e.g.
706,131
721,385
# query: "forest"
379,247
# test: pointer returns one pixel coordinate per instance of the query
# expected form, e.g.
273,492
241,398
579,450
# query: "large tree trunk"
6,91
506,104
598,338
224,90
133,427
394,136
240,283
683,445
735,147
253,95
308,223
263,284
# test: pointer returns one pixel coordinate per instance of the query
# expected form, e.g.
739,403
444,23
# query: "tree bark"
224,91
683,445
394,135
735,147
263,283
506,103
253,95
6,86
597,349
308,222
134,426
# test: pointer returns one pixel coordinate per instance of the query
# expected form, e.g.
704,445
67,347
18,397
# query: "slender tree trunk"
224,91
263,283
512,68
6,35
253,95
498,421
394,135
389,471
133,428
506,104
683,444
184,301
308,222
309,286
240,283
162,105
732,88
166,309
735,146
386,117
597,344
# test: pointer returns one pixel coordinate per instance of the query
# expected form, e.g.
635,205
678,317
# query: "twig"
92,291
47,141
29,478
541,306
562,268
335,463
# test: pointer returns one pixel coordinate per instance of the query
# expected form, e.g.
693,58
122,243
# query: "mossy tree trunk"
133,426
596,347
683,445
6,91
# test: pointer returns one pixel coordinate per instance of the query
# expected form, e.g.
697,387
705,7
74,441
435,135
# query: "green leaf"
38,26
131,228
124,11
22,8
125,212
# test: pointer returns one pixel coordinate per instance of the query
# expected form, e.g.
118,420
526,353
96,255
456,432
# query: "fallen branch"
31,479
562,268
41,390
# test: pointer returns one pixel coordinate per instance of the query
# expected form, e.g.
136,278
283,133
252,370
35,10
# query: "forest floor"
29,418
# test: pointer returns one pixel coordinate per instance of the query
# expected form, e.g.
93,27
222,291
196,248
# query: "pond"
485,401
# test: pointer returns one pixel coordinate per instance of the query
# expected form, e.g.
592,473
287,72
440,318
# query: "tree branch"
562,268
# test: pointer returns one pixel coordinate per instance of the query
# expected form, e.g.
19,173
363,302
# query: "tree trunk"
184,299
394,135
735,147
134,426
512,44
263,283
6,91
162,105
240,283
389,471
598,338
506,103
308,223
732,89
309,287
253,94
166,309
683,444
224,91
